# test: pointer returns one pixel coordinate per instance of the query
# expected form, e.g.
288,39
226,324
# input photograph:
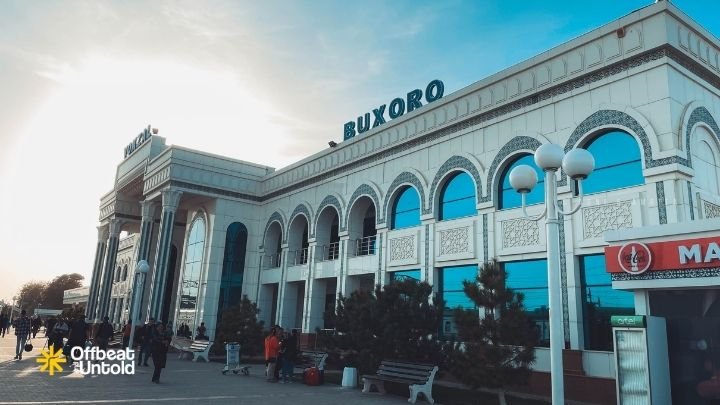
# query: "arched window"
406,209
194,252
704,163
508,197
457,198
125,272
233,266
617,163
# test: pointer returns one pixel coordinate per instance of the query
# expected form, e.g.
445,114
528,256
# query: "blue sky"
80,79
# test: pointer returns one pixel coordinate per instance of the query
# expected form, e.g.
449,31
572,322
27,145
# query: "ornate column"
108,269
146,231
97,272
170,203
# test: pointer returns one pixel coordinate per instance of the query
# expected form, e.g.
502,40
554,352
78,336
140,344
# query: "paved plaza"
182,381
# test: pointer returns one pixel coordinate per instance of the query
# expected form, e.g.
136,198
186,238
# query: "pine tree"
240,324
400,321
495,351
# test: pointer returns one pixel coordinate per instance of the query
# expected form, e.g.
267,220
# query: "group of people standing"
281,350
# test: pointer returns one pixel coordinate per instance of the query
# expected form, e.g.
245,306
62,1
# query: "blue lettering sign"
434,91
139,140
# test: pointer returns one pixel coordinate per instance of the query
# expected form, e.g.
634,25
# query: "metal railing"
329,252
272,261
365,246
299,257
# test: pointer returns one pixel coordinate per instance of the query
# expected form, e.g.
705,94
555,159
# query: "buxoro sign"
433,91
146,134
637,258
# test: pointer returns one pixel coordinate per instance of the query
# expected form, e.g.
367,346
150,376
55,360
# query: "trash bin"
349,377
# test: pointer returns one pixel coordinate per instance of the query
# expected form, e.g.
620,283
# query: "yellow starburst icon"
51,360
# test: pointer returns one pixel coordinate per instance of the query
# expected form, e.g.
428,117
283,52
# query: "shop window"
508,197
617,163
600,302
406,209
457,198
530,278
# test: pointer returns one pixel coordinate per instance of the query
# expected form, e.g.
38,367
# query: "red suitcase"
311,376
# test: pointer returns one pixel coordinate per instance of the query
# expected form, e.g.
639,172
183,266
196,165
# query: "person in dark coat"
104,334
77,337
160,345
288,348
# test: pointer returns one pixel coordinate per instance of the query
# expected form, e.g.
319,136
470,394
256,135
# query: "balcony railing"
299,257
365,246
329,252
271,261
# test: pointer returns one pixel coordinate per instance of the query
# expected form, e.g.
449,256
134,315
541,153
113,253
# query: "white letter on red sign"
693,254
713,252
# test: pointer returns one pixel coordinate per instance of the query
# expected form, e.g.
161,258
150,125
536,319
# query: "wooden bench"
198,348
418,376
308,359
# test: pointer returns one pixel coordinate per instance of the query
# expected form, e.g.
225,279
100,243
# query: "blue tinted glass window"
190,284
530,278
617,163
406,209
406,274
452,286
458,197
600,302
233,266
509,198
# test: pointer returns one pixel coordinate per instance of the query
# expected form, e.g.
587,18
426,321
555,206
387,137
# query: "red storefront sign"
636,257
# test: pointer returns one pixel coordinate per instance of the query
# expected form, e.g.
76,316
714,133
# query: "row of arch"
620,146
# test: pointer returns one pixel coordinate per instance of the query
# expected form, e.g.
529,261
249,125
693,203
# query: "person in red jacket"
272,348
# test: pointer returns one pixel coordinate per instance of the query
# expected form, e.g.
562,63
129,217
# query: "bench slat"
396,380
420,373
414,366
404,376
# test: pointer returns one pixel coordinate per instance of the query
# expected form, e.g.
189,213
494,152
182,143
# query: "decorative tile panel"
402,248
608,217
665,275
454,241
520,232
485,237
711,210
662,206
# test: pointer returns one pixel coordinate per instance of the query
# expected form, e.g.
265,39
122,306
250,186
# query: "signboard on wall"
636,258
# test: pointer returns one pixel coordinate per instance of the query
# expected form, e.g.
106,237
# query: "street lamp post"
578,164
140,271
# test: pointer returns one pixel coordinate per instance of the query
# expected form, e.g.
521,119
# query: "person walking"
50,326
77,336
104,334
35,323
4,320
59,332
126,334
146,332
288,348
272,347
160,345
22,332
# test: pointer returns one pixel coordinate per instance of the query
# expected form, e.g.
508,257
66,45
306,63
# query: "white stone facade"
654,74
